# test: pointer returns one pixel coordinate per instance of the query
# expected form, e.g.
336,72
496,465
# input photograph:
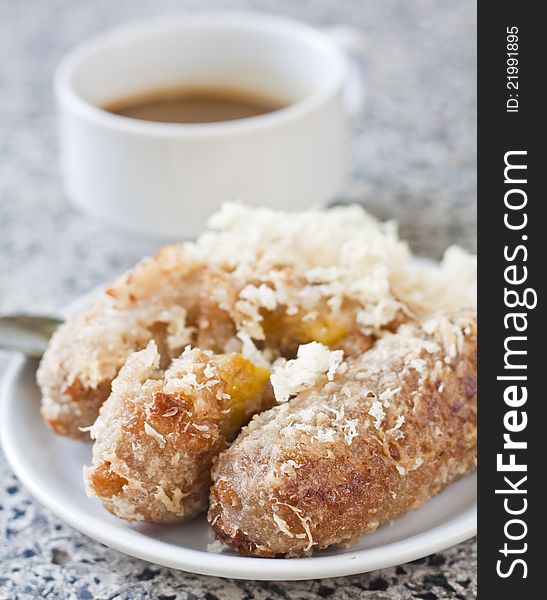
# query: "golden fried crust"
76,406
339,460
155,300
156,435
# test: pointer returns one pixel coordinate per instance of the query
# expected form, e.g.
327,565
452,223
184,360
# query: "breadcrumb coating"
344,456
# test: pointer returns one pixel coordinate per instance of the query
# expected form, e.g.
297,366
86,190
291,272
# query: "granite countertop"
414,158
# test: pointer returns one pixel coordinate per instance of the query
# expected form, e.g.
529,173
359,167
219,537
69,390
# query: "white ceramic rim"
133,543
67,97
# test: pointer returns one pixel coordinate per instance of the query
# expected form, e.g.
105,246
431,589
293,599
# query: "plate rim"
129,542
162,553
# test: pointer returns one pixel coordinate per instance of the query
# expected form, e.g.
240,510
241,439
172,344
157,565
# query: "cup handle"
351,41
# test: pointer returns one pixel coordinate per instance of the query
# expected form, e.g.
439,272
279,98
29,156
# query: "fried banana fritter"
392,428
155,300
282,315
157,434
175,357
260,283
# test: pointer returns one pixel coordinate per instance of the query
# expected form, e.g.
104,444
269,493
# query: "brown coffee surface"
194,105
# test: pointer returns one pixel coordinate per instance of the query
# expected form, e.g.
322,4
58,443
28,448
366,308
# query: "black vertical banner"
512,242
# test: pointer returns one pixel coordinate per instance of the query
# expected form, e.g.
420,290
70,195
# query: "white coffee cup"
166,179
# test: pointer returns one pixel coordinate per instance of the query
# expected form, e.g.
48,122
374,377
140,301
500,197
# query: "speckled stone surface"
413,159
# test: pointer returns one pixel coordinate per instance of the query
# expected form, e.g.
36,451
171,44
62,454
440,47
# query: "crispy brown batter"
156,436
342,458
153,301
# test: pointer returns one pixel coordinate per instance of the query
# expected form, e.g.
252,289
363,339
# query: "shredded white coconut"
282,525
311,316
200,427
152,432
417,463
173,504
419,364
341,253
430,347
387,395
325,435
312,361
251,352
209,371
288,465
395,430
377,412
305,521
452,287
261,296
350,430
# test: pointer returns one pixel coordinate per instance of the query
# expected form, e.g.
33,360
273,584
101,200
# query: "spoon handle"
28,334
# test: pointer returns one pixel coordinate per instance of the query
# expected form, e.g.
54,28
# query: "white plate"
51,468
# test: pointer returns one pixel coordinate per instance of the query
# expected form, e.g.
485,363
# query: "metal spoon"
28,334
